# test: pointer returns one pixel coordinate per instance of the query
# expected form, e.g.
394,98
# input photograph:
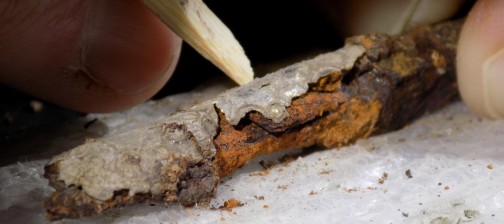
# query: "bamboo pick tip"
197,25
238,70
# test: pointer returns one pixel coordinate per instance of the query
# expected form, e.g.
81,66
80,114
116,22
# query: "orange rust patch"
403,64
329,83
367,42
313,121
231,203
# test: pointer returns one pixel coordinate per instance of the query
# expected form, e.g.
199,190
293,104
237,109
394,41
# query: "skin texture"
481,44
87,55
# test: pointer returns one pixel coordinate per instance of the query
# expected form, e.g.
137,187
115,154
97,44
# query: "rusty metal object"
400,78
376,83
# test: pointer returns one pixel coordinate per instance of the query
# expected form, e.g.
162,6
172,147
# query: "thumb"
480,62
87,55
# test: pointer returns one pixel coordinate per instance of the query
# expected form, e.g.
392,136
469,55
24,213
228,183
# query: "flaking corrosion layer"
168,161
271,94
146,160
346,122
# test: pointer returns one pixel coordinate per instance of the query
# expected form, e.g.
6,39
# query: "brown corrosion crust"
328,83
72,202
196,185
342,125
397,80
410,75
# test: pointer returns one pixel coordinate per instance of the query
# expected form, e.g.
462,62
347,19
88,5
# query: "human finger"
87,55
480,61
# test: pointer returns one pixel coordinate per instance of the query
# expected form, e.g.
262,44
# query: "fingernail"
493,85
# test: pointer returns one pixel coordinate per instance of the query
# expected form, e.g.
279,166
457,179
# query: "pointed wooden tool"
196,24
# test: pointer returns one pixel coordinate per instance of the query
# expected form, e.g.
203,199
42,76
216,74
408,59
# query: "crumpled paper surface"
444,168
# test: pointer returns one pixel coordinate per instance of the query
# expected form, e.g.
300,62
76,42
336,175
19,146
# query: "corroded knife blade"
375,83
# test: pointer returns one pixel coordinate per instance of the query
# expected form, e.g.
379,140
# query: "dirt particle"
265,206
470,214
259,197
260,174
283,187
285,160
313,192
350,190
490,166
266,165
446,188
382,179
326,172
230,204
408,173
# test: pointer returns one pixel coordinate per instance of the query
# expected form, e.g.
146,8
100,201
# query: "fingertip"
126,55
480,61
90,56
